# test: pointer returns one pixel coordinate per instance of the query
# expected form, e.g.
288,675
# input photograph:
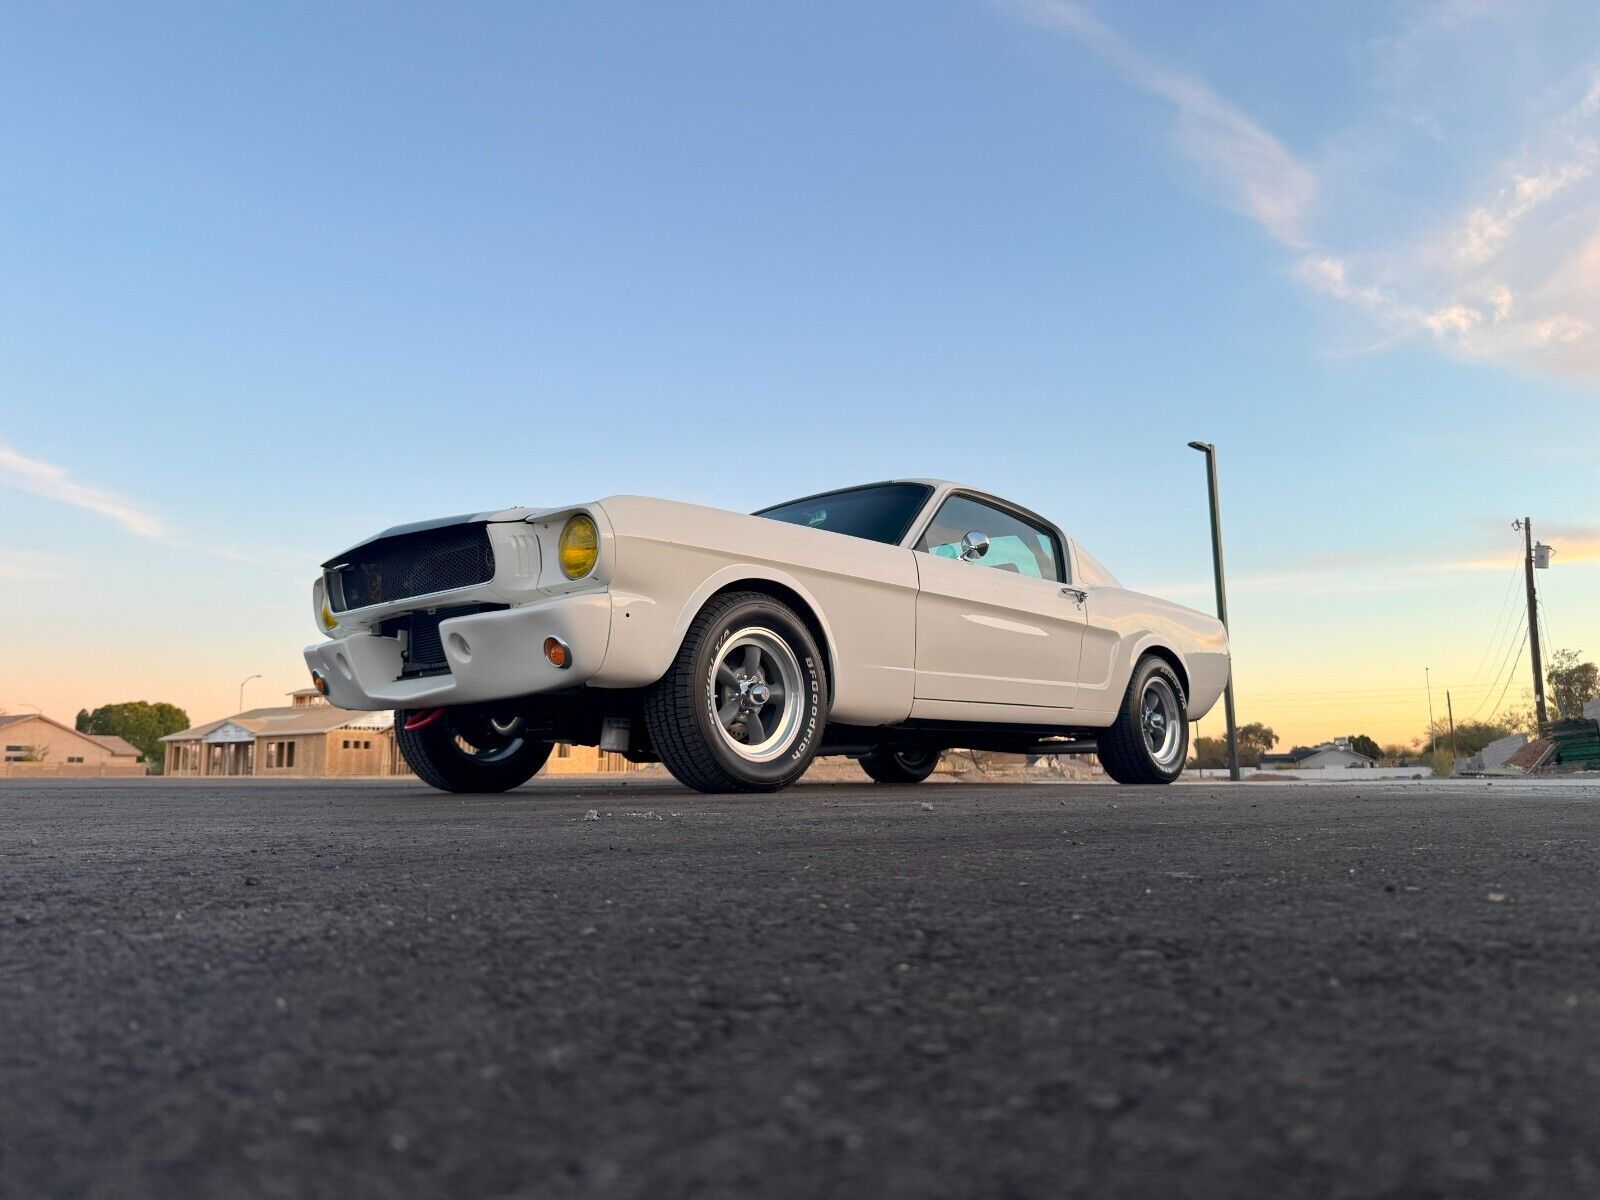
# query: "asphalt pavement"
370,989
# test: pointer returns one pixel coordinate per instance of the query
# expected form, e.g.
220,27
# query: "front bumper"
492,656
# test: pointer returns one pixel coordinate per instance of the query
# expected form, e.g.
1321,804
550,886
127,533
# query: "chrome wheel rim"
1161,722
757,695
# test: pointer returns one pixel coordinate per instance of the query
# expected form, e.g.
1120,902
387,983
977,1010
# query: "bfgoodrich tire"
1150,740
888,765
743,705
477,754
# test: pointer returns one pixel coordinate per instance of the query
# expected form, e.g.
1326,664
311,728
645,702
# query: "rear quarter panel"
1125,625
667,559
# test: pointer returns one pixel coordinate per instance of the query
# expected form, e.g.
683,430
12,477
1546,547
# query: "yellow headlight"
329,621
580,546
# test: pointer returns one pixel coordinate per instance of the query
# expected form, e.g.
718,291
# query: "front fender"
755,574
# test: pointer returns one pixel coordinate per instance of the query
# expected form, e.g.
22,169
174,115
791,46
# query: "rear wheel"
474,752
888,765
742,707
1150,740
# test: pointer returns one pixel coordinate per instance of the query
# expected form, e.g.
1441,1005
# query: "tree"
1209,752
139,722
1255,740
1520,717
1471,736
1398,751
1362,744
1572,683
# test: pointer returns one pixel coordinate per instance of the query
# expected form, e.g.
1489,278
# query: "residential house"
37,746
307,738
310,738
1336,753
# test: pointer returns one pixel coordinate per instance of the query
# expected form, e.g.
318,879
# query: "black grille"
417,564
424,649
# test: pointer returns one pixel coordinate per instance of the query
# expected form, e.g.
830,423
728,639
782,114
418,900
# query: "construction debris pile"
1576,743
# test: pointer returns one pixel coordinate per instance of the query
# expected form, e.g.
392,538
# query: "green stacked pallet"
1577,742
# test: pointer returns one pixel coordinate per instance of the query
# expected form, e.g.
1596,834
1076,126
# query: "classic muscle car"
888,622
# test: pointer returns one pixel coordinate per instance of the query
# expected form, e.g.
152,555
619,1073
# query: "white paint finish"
1007,626
670,558
1006,714
1124,625
1087,571
527,568
995,646
988,636
504,658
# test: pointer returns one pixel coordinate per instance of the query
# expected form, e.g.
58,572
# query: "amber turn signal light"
319,682
557,652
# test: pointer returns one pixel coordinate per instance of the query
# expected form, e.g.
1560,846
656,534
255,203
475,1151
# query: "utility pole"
241,691
1210,451
1450,708
1433,736
1526,525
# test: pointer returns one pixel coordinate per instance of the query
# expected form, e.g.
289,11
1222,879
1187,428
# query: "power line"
1513,628
1398,690
1331,695
1510,660
1311,705
1490,648
1507,688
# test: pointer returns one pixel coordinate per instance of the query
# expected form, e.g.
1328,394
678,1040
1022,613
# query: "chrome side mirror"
974,546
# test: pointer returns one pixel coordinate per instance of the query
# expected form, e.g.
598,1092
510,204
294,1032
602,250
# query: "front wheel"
1150,739
888,765
742,707
458,753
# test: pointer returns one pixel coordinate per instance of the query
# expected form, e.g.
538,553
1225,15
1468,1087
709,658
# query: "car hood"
503,514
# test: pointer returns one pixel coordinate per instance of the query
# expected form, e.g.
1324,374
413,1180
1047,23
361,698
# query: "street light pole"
1433,733
241,690
1210,451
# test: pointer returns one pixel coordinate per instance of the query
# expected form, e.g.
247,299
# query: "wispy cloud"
40,478
1515,274
27,566
1357,574
1511,273
1256,174
1398,55
53,482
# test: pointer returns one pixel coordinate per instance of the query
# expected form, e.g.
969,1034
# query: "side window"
1014,544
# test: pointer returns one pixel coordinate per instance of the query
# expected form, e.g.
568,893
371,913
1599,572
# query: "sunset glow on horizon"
269,293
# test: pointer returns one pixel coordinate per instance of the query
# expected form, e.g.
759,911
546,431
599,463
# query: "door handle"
1077,594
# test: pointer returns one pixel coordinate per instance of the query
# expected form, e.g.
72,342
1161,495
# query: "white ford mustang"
887,622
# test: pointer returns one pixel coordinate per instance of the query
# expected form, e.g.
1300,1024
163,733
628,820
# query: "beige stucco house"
36,746
310,738
306,737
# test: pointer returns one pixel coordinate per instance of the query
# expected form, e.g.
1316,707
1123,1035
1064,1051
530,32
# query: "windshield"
880,513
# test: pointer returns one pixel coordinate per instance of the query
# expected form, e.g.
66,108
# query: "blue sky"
275,278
